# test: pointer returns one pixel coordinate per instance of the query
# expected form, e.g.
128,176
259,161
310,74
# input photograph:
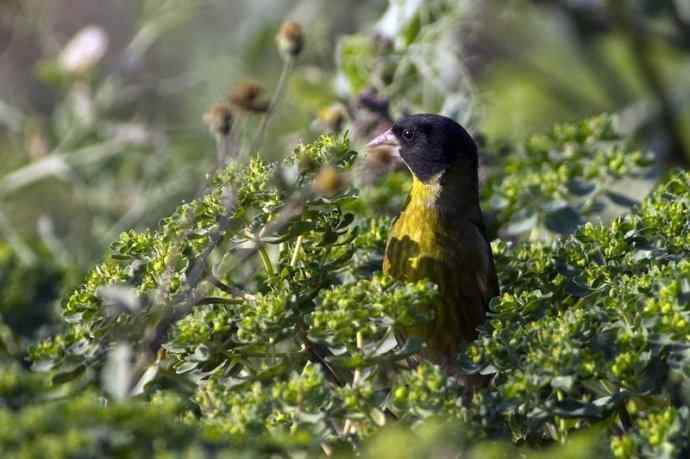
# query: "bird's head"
428,145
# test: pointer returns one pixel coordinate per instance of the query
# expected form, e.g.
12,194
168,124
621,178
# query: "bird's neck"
453,193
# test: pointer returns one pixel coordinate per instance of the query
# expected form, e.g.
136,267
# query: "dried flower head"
247,97
381,160
290,39
328,181
218,118
333,117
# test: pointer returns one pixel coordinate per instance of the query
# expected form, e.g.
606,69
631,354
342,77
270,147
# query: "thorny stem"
277,96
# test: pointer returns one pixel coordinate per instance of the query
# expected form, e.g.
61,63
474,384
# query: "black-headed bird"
440,233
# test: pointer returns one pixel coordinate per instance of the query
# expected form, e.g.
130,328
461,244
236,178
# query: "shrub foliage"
255,318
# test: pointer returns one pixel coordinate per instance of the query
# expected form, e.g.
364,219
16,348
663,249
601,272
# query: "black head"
429,144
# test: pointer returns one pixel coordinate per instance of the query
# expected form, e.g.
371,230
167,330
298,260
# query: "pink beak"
386,141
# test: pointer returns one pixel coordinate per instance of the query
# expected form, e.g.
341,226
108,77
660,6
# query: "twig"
316,353
57,165
216,300
221,150
221,285
277,96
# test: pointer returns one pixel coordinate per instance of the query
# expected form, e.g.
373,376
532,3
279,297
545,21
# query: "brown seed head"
307,165
328,181
380,159
290,39
333,117
247,97
218,118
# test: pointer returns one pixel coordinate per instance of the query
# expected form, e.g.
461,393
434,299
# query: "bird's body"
440,234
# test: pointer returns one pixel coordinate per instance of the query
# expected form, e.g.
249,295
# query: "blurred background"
101,103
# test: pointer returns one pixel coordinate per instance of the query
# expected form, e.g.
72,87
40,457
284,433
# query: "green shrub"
590,329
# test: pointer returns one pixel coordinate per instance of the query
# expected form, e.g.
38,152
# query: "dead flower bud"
218,118
333,117
328,181
381,160
247,96
290,39
306,165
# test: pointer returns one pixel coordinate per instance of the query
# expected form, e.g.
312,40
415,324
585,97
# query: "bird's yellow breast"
423,244
416,234
418,248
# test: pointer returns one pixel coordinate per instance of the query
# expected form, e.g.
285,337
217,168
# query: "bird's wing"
470,279
474,251
459,261
479,248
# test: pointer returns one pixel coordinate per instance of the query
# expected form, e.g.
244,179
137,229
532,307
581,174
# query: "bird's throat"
425,194
448,196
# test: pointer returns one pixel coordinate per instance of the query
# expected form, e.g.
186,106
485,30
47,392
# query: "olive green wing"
467,282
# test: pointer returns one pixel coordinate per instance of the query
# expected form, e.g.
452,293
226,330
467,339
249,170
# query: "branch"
277,96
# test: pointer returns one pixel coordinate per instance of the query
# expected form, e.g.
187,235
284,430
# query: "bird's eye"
407,134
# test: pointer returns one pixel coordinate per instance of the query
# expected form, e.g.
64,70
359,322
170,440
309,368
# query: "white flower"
84,50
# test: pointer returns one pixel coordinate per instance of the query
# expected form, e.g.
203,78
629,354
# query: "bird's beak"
385,141
384,151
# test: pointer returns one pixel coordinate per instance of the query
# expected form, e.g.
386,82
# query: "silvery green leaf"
621,199
186,367
42,366
201,353
580,187
642,255
310,418
117,374
563,382
69,375
148,376
119,298
378,416
521,226
564,220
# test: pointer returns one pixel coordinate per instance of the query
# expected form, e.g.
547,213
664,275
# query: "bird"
440,233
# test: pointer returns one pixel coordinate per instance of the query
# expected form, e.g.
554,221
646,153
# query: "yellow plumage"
434,238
